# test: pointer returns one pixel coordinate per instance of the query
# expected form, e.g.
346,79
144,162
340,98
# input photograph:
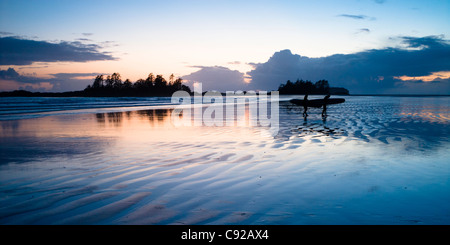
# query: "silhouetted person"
305,105
325,102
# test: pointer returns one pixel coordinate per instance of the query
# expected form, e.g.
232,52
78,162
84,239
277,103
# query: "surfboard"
317,102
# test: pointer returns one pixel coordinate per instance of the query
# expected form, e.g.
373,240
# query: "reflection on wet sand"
155,118
362,165
426,127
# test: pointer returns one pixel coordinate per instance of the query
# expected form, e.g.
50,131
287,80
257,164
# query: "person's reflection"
325,102
305,106
324,110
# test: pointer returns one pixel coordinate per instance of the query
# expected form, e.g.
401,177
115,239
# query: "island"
320,87
113,86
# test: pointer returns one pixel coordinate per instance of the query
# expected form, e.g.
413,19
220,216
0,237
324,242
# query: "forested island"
320,87
113,86
151,86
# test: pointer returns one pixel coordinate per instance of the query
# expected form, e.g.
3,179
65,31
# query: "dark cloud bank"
17,51
367,72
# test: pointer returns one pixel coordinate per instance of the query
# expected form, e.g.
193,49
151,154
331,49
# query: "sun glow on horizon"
429,78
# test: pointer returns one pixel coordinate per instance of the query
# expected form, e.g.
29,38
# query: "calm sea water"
31,107
372,160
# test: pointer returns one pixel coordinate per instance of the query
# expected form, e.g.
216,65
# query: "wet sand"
371,161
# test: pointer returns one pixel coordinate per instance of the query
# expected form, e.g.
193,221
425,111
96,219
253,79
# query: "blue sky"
192,39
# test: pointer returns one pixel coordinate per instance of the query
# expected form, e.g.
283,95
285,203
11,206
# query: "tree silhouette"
149,82
98,82
108,82
127,84
116,81
305,87
171,79
140,84
322,85
177,84
160,82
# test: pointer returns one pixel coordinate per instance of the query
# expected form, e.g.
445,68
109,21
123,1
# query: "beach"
372,160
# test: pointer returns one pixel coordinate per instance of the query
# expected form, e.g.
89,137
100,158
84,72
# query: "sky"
367,46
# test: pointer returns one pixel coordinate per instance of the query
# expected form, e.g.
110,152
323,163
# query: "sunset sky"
367,46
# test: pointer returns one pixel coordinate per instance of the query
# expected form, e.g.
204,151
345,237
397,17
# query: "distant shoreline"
24,93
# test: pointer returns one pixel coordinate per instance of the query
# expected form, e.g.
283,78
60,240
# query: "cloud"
8,74
84,39
108,44
5,33
10,80
87,34
363,30
355,17
17,51
380,1
435,76
370,71
217,78
253,64
436,42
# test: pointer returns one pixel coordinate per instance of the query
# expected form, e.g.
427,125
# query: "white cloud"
217,78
